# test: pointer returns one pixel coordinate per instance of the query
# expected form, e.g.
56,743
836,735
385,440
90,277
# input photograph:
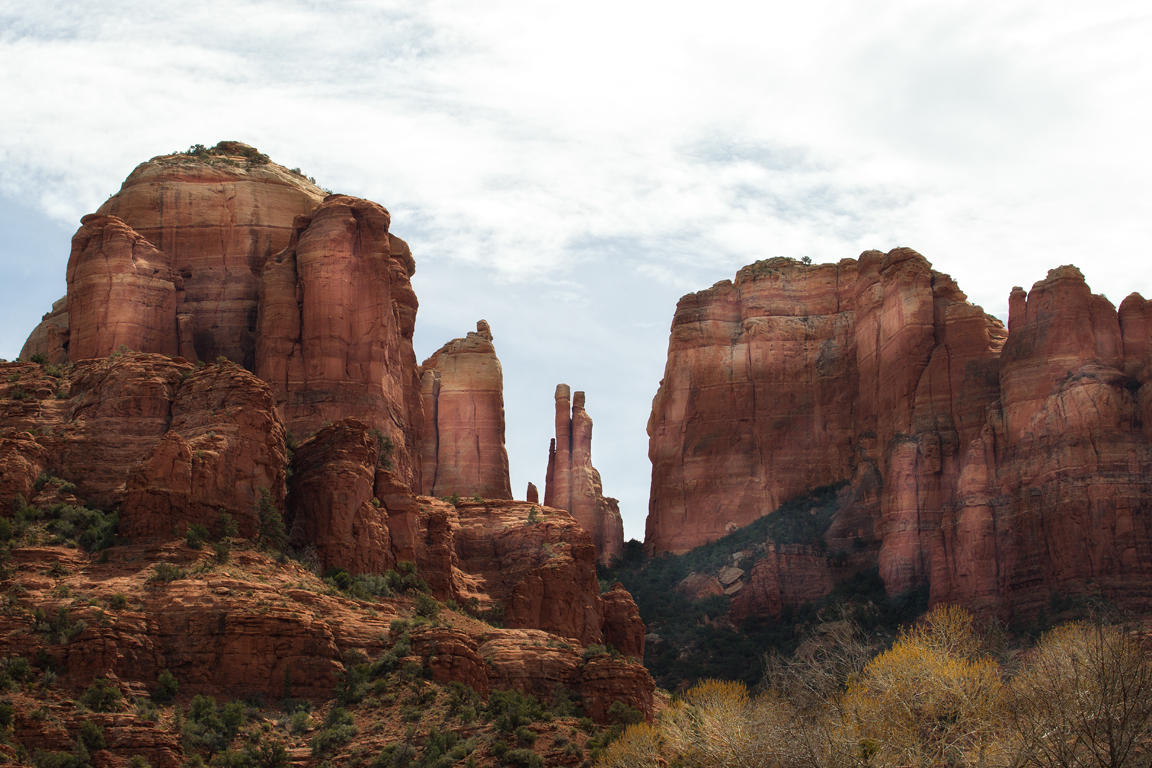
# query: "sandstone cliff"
999,469
118,439
572,482
462,447
168,444
336,316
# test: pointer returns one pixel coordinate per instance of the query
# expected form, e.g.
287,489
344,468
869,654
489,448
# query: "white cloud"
556,151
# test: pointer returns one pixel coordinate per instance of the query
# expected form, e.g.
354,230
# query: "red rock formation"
1055,494
623,627
49,339
574,484
223,452
122,292
462,446
217,218
817,369
335,328
787,577
22,461
332,502
605,680
536,563
165,443
532,495
1000,473
532,661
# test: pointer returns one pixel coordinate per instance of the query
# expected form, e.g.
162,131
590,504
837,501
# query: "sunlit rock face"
462,447
337,312
216,218
997,467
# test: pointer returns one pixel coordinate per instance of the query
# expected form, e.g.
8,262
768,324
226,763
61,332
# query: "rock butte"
323,415
574,484
1001,469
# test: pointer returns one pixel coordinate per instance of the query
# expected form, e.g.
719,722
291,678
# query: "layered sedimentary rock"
797,376
462,447
49,339
999,469
787,577
333,506
223,451
166,443
1055,494
122,292
217,217
336,317
572,482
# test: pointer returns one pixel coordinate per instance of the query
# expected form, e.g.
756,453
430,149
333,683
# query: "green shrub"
299,722
509,710
338,730
16,668
620,713
166,687
396,756
118,601
163,573
77,758
7,712
522,758
267,754
146,710
87,529
195,536
404,578
211,727
57,627
92,735
226,526
426,606
101,696
271,532
596,649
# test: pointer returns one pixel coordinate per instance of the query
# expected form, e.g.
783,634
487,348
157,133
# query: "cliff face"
318,423
462,447
999,469
336,317
1054,497
167,444
217,218
574,484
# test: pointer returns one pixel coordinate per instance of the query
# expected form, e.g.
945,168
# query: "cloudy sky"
568,170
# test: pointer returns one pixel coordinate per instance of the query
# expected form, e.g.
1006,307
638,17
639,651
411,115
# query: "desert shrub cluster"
941,694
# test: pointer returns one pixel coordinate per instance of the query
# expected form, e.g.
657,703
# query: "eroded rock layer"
216,217
997,468
462,448
572,483
168,444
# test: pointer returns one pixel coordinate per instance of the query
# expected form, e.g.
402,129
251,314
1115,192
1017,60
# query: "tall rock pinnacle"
572,482
462,447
